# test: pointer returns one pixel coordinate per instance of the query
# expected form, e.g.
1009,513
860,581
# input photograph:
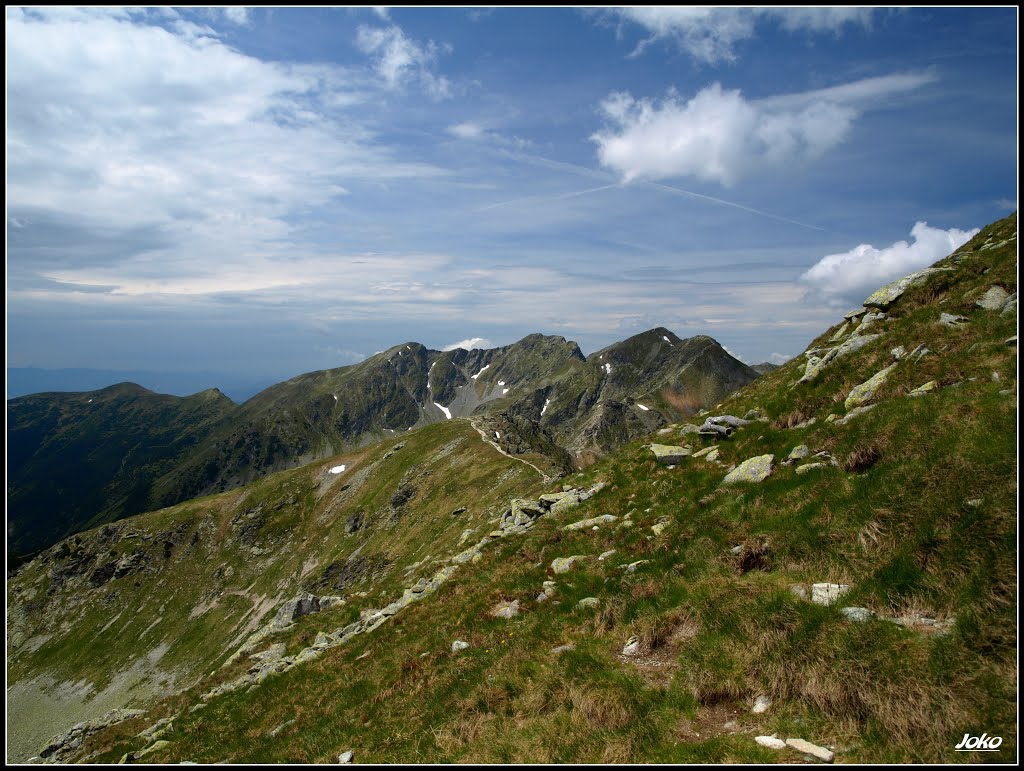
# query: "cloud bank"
469,344
720,136
710,35
851,276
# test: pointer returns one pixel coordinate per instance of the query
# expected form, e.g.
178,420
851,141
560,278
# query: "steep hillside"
828,558
77,459
125,450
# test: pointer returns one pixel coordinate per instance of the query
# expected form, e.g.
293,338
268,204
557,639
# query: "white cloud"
710,35
236,14
398,59
852,275
469,344
719,136
467,130
779,358
733,354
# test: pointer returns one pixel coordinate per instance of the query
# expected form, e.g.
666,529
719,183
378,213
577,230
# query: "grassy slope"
893,520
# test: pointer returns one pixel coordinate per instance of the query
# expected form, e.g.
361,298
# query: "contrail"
597,174
559,197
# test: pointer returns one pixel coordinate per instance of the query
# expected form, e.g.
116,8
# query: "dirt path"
492,443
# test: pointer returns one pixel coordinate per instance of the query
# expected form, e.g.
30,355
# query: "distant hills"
77,460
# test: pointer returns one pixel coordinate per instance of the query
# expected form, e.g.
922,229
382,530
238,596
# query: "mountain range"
76,460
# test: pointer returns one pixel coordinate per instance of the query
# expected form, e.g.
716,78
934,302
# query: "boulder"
890,293
586,523
755,469
459,645
771,742
297,607
632,646
994,299
588,603
669,454
799,452
346,756
506,609
826,594
1010,308
865,392
815,364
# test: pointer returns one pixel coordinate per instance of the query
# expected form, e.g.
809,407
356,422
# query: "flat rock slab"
890,293
669,454
755,469
994,299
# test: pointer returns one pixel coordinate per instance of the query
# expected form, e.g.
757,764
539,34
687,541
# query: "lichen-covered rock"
632,646
302,605
588,603
585,523
810,467
771,742
459,645
921,390
815,364
949,320
865,392
755,469
857,614
564,564
799,452
821,753
884,297
506,609
855,412
761,705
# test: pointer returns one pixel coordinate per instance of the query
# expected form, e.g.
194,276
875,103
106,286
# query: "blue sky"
271,191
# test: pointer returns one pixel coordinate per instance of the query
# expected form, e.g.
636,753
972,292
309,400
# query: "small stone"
605,555
826,594
921,390
1011,341
506,609
855,412
799,452
761,704
898,352
459,645
563,648
831,418
669,454
811,749
798,590
660,527
810,467
631,567
737,550
949,320
588,603
604,518
345,757
857,614
770,742
564,564
975,502
632,646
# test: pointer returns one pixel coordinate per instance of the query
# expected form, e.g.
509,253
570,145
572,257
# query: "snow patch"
504,391
608,368
338,469
545,407
645,409
335,397
478,374
501,382
89,402
663,337
445,410
497,435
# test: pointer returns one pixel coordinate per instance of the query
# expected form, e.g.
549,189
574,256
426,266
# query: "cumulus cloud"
851,276
719,136
710,35
467,130
469,344
779,358
398,59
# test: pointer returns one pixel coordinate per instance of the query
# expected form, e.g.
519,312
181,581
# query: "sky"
263,192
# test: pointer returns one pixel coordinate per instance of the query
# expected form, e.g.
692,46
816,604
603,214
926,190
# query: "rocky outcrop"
61,747
890,293
755,469
669,454
865,392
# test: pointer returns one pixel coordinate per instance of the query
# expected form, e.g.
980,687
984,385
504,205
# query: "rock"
1012,341
563,648
460,510
506,609
949,320
521,512
866,391
273,653
632,646
761,704
564,564
798,590
868,320
302,605
855,313
346,757
799,452
459,645
840,332
689,428
810,467
727,420
550,587
660,527
826,594
605,555
994,299
856,411
669,453
899,352
155,747
811,749
755,469
632,566
771,742
890,293
588,603
542,597
921,390
736,550
857,614
1010,308
585,523
281,727
975,502
815,364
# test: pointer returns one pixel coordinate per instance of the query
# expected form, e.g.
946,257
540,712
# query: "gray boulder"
297,607
669,454
994,299
755,469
